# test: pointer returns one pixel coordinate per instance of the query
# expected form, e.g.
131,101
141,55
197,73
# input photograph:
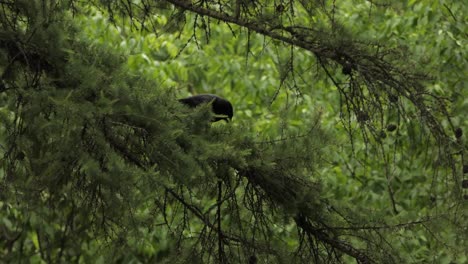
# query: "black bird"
222,108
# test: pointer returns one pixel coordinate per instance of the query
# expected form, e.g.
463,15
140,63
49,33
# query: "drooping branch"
273,32
305,224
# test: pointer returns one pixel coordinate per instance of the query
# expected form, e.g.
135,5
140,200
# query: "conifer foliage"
98,164
91,163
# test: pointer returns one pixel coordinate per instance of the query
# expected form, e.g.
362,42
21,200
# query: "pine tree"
98,164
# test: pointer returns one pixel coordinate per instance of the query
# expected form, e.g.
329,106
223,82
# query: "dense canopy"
348,142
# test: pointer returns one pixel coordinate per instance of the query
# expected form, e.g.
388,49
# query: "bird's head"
222,109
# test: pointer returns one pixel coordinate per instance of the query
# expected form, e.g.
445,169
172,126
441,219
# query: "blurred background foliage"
397,190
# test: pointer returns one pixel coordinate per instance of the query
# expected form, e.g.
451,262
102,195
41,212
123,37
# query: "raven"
222,108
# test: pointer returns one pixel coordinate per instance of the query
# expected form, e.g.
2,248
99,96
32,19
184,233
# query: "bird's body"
222,108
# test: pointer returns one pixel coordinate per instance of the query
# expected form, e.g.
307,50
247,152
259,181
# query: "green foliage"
100,163
94,158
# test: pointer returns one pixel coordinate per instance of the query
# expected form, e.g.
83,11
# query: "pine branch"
340,245
257,27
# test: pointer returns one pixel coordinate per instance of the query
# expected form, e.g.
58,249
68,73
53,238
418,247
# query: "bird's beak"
223,117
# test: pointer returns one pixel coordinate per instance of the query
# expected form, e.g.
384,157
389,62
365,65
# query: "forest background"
347,142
